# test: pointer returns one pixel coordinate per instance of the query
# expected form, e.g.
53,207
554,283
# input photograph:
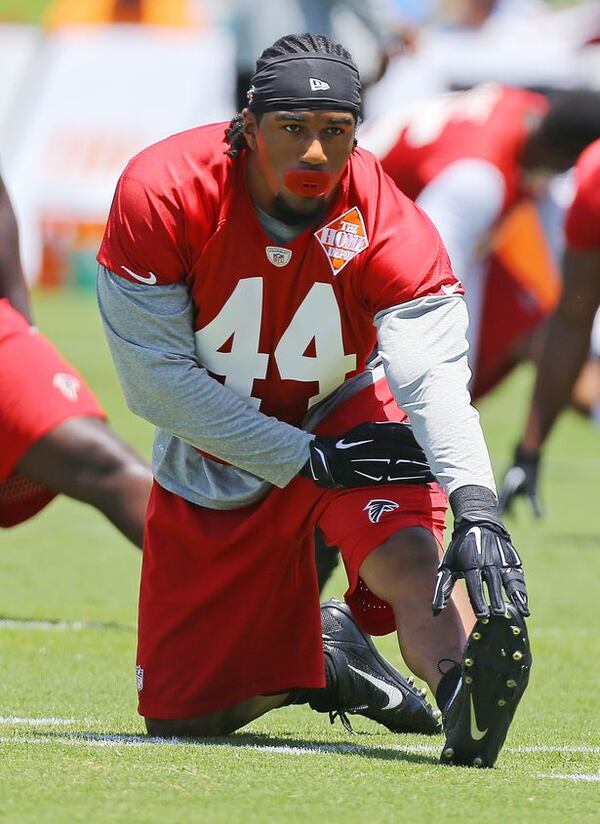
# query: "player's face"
297,159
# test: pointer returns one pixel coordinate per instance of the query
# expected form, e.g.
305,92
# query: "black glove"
521,479
371,454
480,550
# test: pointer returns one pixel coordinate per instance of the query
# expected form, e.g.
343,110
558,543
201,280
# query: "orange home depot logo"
343,238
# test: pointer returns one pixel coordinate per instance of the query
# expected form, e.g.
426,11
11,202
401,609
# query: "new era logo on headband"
317,85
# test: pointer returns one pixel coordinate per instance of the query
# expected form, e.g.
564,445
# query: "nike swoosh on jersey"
342,444
149,278
449,289
476,733
394,695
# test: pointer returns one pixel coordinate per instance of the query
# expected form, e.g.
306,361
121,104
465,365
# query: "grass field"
70,740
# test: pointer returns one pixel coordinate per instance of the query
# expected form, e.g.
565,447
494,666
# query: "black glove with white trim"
521,480
480,551
371,454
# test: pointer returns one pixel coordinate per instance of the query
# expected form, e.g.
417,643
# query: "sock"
447,686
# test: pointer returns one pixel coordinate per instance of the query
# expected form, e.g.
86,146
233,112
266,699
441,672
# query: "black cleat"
365,683
494,675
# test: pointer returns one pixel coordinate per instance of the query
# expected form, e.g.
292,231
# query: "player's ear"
250,127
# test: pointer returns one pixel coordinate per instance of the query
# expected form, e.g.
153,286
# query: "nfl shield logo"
278,256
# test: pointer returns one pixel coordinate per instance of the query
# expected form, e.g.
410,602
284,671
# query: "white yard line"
13,720
573,777
61,626
108,740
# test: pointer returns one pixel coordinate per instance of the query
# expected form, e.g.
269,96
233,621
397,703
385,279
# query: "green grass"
23,11
68,564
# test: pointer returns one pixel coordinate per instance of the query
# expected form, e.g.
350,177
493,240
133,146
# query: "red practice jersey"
583,218
489,122
281,325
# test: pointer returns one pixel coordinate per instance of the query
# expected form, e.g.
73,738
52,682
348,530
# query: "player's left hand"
481,551
371,454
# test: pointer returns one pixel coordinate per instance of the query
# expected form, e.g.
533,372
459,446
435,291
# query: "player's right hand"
371,454
521,480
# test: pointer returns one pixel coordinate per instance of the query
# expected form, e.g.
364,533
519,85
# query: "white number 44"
317,320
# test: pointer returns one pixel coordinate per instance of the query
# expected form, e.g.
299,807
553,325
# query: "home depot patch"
343,238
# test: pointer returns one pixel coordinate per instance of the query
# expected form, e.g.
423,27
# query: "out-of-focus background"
87,83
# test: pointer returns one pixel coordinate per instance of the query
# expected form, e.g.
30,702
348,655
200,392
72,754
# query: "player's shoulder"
181,161
390,216
369,179
374,188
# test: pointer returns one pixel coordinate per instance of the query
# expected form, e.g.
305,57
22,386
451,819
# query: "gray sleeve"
150,334
424,351
464,202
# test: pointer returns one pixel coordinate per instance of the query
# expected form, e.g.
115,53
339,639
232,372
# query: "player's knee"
204,727
408,555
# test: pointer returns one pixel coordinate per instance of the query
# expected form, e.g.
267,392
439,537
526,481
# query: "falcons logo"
377,507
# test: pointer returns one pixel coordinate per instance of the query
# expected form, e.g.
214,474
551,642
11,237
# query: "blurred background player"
470,159
53,432
570,332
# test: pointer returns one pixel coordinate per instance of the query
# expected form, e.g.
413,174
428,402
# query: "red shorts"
229,601
38,391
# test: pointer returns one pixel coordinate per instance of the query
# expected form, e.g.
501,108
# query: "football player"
54,435
470,160
567,342
246,274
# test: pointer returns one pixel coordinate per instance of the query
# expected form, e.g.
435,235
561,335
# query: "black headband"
306,81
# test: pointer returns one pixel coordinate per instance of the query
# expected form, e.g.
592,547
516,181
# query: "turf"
70,739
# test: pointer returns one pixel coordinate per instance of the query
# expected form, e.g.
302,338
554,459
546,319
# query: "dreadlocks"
289,44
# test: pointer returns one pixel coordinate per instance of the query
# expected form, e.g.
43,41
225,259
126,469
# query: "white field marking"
100,740
592,749
116,740
77,626
13,720
61,626
573,777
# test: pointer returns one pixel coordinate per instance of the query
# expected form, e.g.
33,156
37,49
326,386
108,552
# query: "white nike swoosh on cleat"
342,444
395,697
476,733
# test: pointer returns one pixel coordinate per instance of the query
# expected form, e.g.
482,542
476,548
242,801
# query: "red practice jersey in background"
489,122
583,219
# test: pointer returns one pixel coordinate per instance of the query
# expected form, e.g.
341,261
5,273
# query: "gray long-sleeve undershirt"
151,337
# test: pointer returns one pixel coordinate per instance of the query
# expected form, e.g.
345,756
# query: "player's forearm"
152,343
423,347
566,345
564,352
